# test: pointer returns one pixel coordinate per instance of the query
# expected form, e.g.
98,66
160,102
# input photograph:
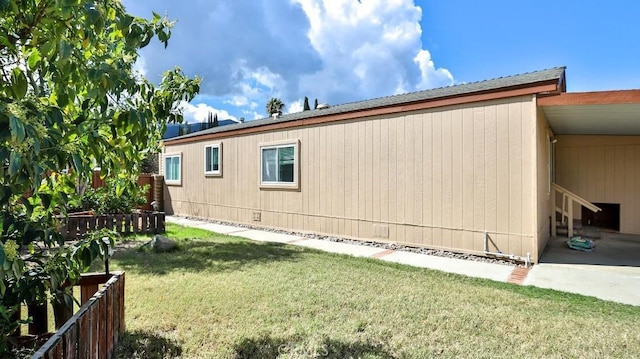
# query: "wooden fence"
94,330
74,226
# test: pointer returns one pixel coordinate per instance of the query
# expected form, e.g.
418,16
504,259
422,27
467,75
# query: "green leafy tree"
275,105
315,104
215,121
306,104
69,98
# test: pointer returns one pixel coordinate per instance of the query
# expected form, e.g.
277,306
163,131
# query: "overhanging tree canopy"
69,98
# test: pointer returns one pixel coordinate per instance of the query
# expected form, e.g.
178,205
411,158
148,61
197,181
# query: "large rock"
160,244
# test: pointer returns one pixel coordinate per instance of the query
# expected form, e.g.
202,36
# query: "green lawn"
227,297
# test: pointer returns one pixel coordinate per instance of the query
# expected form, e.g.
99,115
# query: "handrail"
568,198
576,198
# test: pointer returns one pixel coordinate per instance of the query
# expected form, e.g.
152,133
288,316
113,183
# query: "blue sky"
343,50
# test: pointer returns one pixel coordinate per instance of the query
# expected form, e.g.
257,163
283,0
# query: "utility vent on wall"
257,217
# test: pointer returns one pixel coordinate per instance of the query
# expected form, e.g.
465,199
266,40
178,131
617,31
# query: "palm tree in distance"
275,105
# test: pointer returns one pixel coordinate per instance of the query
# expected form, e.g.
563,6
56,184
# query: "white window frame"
176,182
208,147
296,165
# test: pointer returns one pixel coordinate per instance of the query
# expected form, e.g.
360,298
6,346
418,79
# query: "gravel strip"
392,246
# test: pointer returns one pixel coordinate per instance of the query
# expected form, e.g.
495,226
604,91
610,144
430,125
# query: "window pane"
176,168
285,164
269,165
215,158
207,159
168,168
172,168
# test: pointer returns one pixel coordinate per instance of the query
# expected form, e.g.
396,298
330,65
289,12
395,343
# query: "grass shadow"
295,347
139,344
205,255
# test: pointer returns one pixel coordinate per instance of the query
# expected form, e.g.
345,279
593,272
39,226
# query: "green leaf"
34,59
18,83
17,128
46,199
77,162
3,257
14,163
27,205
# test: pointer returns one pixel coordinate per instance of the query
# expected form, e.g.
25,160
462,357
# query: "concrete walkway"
596,281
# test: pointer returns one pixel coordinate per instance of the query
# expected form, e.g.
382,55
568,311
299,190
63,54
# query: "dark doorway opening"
608,218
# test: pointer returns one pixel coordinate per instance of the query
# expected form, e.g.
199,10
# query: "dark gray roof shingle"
556,73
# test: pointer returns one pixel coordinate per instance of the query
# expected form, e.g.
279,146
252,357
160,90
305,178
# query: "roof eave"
549,87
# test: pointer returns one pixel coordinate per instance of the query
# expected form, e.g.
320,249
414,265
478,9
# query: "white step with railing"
566,210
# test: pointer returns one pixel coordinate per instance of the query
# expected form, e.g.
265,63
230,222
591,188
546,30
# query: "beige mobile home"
475,168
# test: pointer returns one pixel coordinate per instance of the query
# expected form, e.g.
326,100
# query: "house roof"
172,128
544,81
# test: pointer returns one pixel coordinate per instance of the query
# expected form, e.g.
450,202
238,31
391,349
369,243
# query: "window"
172,169
212,160
279,165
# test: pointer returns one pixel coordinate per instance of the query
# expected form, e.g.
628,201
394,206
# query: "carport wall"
603,169
437,178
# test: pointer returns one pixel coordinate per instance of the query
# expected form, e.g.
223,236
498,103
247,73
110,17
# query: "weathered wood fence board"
94,330
75,226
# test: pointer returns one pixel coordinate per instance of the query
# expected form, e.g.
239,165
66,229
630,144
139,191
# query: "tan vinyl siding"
543,138
602,169
437,178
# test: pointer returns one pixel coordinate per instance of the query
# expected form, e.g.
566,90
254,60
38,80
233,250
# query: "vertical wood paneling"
369,170
409,177
314,180
502,180
544,211
590,156
438,177
528,176
324,197
336,190
340,163
355,173
456,173
618,178
490,169
428,173
376,194
393,170
401,169
418,183
515,174
447,178
467,177
348,176
362,179
478,175
393,176
383,175
630,186
436,165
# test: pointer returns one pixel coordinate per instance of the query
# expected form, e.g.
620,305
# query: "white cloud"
431,77
199,112
238,101
140,67
296,106
334,50
368,49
